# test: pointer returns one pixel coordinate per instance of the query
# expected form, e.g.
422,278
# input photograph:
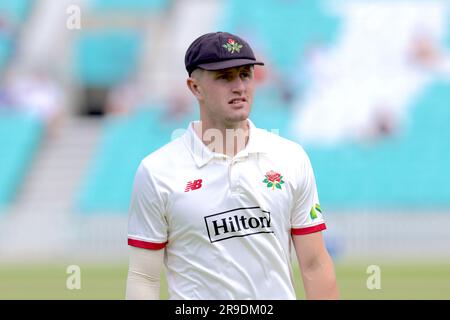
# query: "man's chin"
237,118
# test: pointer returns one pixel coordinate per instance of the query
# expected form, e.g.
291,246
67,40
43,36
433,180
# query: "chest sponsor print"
239,222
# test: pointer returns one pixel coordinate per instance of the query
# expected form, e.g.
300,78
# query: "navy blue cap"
219,50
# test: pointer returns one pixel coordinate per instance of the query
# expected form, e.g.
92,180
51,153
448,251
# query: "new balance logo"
194,185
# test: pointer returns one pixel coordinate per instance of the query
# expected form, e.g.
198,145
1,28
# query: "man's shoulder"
166,155
274,143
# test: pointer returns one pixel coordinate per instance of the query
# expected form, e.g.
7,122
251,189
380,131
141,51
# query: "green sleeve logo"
313,212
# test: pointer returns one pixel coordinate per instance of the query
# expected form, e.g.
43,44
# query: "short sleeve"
306,215
147,224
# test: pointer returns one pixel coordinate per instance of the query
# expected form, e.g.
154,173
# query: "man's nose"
238,85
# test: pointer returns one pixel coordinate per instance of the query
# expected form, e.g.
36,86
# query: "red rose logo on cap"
232,46
273,180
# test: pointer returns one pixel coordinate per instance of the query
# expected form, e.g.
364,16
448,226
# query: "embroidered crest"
273,180
232,46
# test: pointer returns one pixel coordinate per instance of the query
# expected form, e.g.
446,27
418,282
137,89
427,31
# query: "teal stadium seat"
125,142
12,15
20,136
129,6
15,11
6,48
107,57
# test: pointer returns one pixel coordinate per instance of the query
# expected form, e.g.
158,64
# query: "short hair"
196,73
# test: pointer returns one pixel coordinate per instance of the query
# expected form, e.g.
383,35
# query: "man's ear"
193,85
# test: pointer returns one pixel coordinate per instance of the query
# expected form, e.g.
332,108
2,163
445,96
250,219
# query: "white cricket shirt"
226,223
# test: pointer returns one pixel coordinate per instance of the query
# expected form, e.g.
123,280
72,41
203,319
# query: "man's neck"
225,139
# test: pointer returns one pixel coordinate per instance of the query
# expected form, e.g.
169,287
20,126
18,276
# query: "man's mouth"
237,100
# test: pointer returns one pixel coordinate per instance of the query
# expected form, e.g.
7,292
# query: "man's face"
225,95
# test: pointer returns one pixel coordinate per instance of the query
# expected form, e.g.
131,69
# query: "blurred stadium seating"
130,6
401,173
20,136
137,134
5,49
107,57
12,16
15,11
410,171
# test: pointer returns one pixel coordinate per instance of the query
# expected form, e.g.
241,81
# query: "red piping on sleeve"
307,230
146,245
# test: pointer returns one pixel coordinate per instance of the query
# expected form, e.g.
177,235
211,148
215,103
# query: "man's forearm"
141,287
319,280
143,281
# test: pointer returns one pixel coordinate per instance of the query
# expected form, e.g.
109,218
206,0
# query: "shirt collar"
256,142
202,154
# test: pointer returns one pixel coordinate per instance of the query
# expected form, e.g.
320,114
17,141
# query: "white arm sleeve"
144,271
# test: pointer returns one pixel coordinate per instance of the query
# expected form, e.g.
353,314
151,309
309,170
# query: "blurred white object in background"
387,54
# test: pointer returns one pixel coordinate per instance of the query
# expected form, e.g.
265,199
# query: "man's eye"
245,74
